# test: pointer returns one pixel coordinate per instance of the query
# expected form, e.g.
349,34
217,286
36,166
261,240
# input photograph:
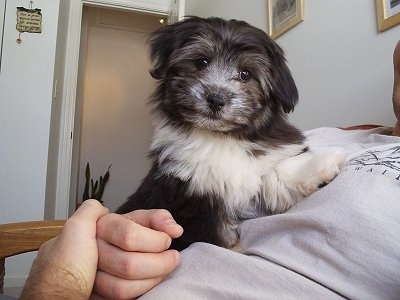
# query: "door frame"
2,17
70,83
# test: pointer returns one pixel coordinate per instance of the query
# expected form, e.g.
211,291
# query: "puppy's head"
224,76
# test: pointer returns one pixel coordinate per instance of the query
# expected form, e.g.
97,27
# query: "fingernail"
177,257
172,223
169,241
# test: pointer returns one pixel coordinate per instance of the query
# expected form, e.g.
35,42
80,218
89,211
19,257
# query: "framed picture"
387,13
283,15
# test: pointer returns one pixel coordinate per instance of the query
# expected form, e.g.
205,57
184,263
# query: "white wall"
253,11
341,64
26,86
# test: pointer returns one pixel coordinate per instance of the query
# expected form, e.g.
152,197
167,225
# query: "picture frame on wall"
387,13
283,15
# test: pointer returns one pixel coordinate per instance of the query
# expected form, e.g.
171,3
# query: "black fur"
177,51
196,214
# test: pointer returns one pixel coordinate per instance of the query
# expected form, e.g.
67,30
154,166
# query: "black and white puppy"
223,150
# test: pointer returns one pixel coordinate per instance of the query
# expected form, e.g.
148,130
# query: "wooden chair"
17,238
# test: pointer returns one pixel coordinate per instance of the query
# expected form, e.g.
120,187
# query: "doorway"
112,120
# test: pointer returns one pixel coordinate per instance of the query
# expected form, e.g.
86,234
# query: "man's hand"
65,266
133,252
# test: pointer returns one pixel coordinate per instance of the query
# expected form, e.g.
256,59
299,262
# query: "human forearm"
50,280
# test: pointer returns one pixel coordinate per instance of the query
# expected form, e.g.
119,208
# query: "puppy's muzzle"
215,102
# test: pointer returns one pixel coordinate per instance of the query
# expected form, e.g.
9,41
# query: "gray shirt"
341,242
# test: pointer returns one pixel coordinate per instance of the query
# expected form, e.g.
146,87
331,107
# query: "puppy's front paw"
321,170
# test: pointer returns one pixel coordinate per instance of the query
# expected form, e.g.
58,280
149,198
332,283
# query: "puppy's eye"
201,63
245,75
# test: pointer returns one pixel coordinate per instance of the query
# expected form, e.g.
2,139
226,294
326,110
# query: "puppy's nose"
215,102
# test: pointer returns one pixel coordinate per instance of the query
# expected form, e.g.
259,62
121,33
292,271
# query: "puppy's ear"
164,42
283,87
161,45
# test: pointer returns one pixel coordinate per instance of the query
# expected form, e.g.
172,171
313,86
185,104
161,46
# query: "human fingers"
157,219
83,221
90,209
129,235
69,261
79,229
76,246
135,265
79,233
111,287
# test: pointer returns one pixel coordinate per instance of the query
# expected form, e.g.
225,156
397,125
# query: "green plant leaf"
103,182
95,189
86,190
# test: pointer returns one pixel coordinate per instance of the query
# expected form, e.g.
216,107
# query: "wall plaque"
29,20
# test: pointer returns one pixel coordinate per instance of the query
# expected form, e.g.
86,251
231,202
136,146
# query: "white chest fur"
216,165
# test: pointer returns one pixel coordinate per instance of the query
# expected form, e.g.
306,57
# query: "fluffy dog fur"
223,150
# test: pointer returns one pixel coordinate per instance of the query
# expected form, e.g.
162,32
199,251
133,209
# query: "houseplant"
95,189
